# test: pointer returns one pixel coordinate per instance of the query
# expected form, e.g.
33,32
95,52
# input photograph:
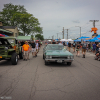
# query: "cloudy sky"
56,14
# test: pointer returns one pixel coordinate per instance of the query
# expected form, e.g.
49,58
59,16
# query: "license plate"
0,56
60,61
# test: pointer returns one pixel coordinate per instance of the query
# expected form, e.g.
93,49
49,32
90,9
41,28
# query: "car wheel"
46,63
21,55
14,59
43,56
69,63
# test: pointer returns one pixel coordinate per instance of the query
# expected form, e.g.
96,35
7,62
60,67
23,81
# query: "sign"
94,29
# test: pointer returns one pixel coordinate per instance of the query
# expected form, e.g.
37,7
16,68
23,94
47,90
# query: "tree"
20,33
8,11
16,15
39,37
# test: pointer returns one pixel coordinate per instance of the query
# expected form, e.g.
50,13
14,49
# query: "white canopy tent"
64,40
70,40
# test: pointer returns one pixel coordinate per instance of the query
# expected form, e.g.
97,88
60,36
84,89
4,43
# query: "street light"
80,29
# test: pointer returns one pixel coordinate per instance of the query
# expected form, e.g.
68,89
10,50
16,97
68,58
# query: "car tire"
69,63
46,63
43,56
14,59
21,54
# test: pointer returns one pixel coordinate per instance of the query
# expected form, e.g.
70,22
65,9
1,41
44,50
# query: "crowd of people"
79,47
31,46
34,47
84,47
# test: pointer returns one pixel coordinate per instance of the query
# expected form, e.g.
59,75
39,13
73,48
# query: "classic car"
57,53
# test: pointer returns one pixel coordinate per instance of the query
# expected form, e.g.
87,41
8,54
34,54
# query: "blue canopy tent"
98,36
81,38
96,39
77,40
56,39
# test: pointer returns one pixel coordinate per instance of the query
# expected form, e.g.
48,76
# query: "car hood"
58,53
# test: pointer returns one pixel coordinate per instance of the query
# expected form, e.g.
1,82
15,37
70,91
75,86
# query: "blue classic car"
57,53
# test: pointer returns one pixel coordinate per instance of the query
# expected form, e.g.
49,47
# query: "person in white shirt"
37,47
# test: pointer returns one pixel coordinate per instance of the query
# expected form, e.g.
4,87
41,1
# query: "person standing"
77,49
53,42
94,47
33,45
64,43
84,47
89,47
69,45
37,47
25,50
74,45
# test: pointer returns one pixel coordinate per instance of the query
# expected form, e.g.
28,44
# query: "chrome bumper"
58,60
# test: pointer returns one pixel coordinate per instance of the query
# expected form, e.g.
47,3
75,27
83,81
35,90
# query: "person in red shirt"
25,49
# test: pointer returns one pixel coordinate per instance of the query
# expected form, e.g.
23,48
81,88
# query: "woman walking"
77,49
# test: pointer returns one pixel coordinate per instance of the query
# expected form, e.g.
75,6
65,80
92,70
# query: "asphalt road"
33,80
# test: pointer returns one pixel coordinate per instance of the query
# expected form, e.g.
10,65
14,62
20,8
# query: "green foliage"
16,15
39,36
20,33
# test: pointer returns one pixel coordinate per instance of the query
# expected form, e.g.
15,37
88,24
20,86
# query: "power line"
94,22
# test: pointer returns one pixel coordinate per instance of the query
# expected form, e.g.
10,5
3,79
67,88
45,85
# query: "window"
15,34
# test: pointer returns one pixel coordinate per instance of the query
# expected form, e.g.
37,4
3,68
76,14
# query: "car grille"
59,57
2,52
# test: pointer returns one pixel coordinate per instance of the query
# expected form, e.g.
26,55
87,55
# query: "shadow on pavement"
54,64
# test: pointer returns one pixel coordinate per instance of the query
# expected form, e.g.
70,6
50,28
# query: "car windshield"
11,40
55,47
3,42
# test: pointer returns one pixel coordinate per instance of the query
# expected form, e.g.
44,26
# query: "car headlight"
68,57
71,57
50,56
47,57
6,48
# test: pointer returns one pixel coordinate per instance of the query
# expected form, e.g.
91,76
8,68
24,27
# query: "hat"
26,42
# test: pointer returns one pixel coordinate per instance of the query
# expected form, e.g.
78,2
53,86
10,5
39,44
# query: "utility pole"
94,22
67,33
63,32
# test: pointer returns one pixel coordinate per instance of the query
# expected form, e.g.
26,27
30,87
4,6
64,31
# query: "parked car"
57,53
10,49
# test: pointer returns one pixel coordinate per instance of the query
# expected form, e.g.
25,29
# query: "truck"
10,49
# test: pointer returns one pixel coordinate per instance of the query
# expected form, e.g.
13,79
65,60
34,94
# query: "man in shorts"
25,50
33,45
84,46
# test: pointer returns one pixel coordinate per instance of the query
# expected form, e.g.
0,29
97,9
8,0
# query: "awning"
2,30
24,38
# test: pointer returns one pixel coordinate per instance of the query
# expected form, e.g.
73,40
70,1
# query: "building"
8,30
